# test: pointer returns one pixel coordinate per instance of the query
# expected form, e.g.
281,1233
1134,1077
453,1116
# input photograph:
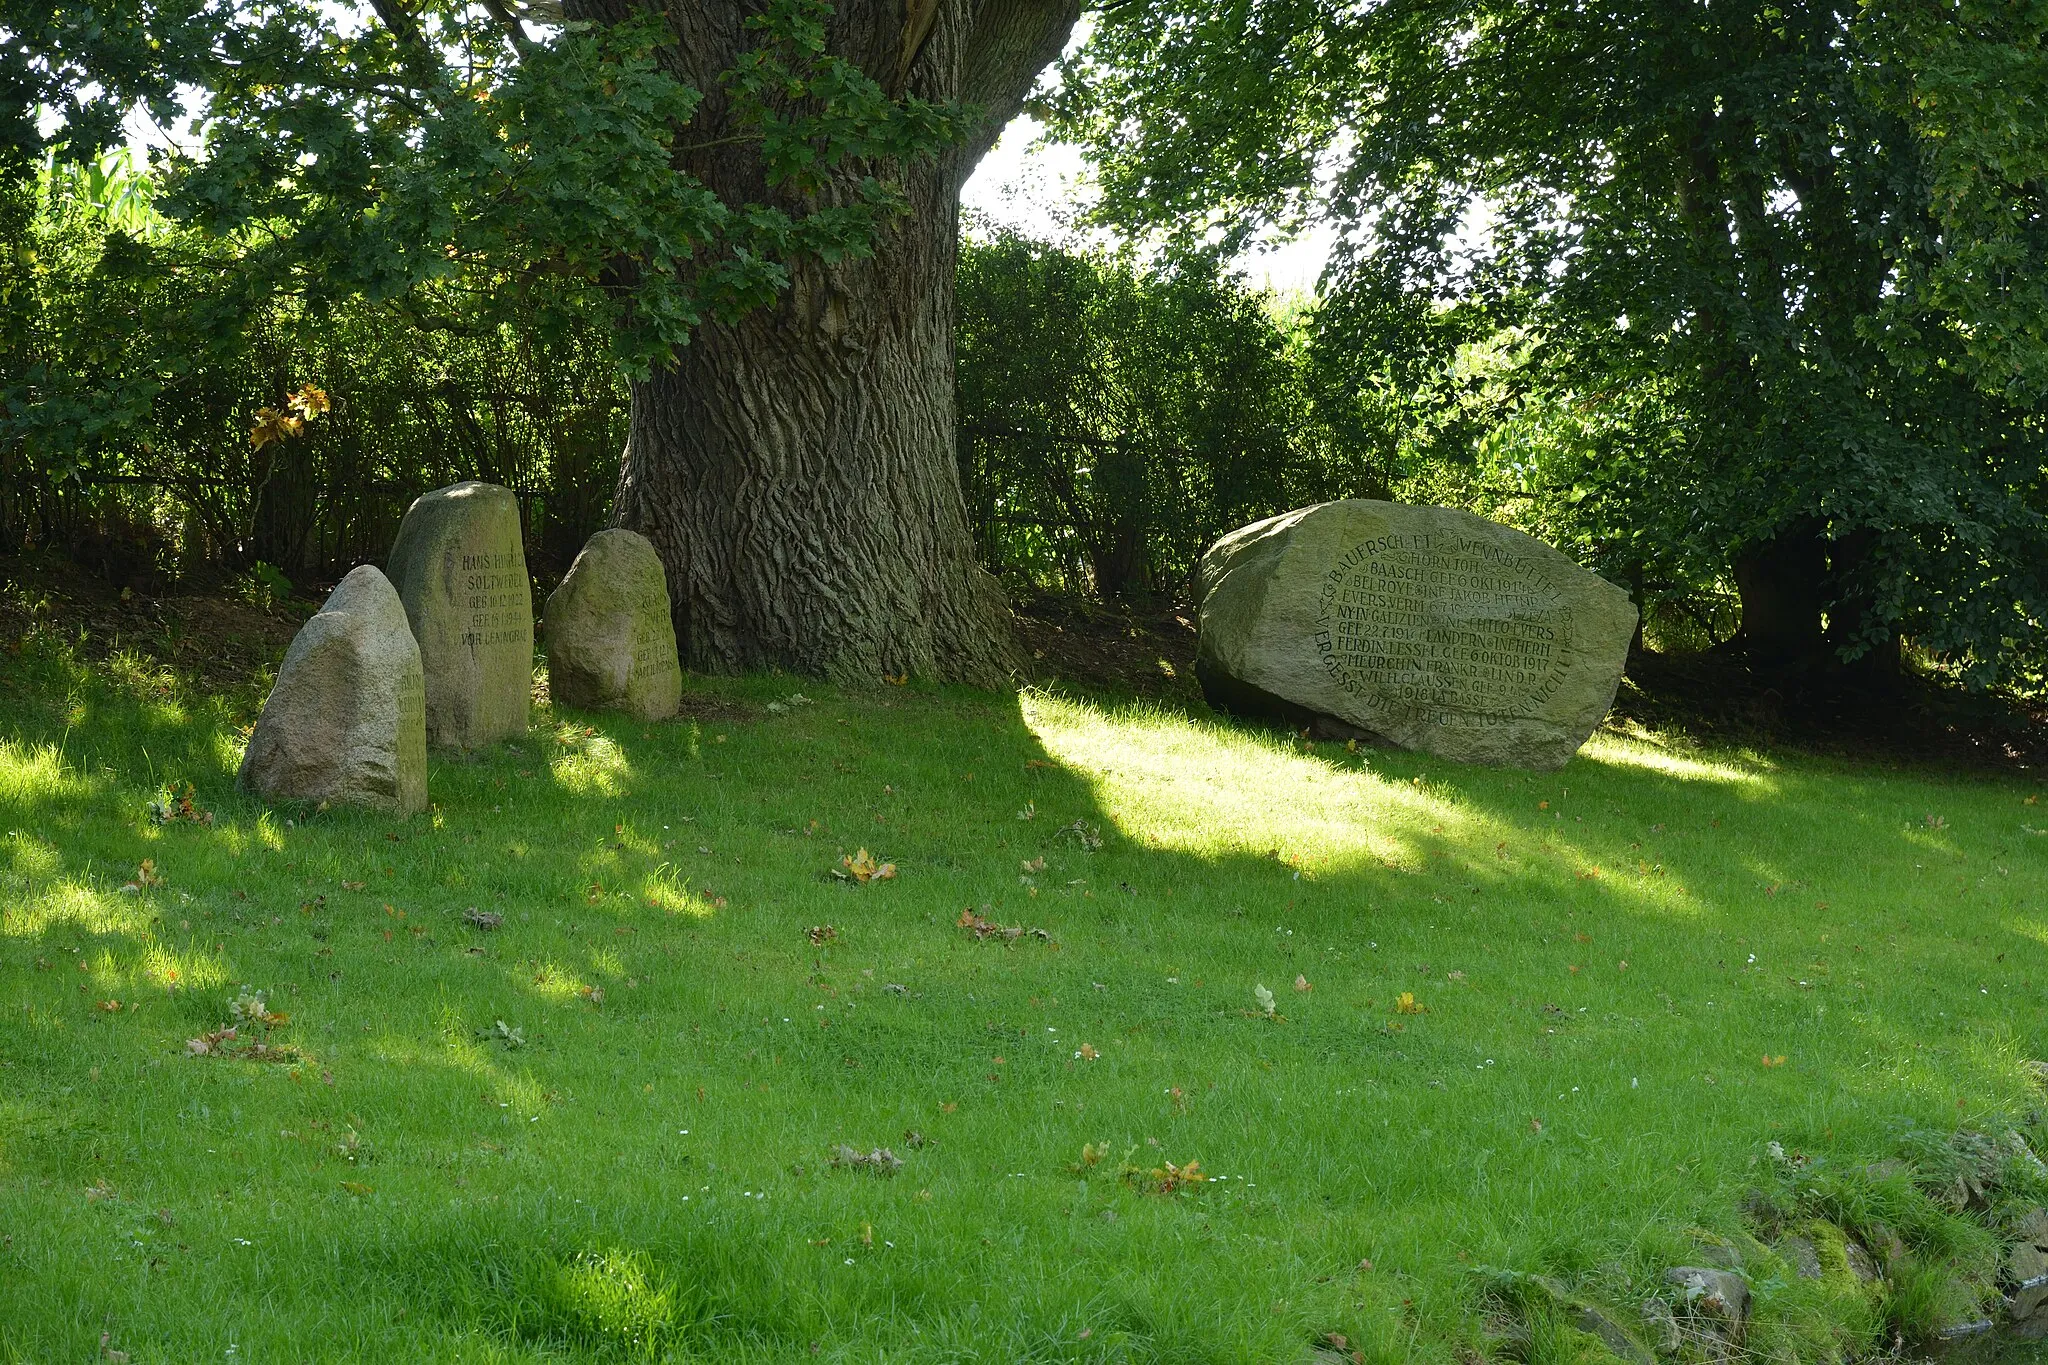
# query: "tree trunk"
796,469
1804,607
1783,586
1118,520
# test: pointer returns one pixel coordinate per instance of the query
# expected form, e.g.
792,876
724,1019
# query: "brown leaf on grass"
353,886
821,934
1165,1178
1301,984
862,867
208,1044
1087,1053
594,994
486,920
985,929
179,808
108,1006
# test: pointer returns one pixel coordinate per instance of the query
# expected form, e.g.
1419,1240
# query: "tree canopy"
1749,291
359,151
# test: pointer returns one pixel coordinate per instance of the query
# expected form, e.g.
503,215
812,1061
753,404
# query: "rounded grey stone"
608,633
1431,627
346,720
459,565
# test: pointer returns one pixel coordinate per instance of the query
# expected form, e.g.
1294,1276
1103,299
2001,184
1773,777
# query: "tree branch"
1008,43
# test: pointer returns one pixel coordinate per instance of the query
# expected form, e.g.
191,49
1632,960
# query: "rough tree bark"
797,470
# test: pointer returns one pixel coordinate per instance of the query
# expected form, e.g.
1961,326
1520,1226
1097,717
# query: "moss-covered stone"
610,641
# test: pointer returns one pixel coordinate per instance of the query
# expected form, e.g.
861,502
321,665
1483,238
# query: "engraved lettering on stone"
1444,625
493,589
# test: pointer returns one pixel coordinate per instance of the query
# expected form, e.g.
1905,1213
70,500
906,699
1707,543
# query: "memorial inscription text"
1455,626
493,589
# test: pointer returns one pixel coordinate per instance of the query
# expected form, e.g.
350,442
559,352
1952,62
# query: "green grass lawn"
1606,966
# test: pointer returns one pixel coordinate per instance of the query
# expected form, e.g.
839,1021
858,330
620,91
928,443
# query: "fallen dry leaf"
862,867
206,1044
983,929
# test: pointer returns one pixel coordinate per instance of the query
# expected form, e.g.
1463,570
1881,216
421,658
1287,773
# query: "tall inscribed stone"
346,720
1432,627
460,567
610,641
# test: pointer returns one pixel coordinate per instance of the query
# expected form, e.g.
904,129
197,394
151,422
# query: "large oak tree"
760,195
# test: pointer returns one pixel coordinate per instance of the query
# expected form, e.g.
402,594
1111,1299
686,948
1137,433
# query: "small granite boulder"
1802,1255
1428,626
346,720
459,565
2027,1270
610,640
1717,1298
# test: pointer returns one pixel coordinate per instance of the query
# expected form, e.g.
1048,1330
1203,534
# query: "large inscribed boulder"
610,641
346,720
1434,628
459,565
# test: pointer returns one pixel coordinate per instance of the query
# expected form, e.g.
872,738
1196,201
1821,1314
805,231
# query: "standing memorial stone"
1434,628
610,640
346,720
460,568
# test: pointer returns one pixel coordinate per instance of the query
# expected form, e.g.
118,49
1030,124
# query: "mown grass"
639,1165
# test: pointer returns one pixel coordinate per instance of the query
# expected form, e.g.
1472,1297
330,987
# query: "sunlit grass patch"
35,774
595,767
